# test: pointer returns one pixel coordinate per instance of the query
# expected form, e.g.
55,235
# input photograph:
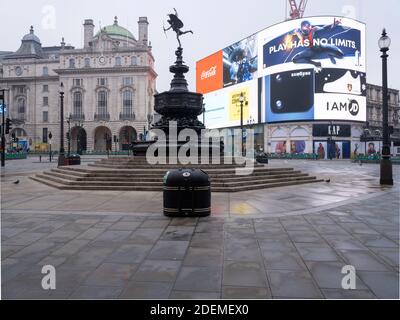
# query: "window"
77,82
127,102
45,71
21,105
45,116
45,101
45,88
102,102
77,103
45,135
127,81
87,62
72,63
134,61
118,61
20,90
102,81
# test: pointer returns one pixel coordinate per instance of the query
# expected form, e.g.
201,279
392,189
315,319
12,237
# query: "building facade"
336,139
108,88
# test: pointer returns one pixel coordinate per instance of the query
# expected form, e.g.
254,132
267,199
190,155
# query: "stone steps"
111,174
217,183
157,178
59,184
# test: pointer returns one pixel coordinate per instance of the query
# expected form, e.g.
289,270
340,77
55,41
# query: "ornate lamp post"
241,100
61,156
386,163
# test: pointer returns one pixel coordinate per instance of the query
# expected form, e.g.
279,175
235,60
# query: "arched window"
118,61
134,61
21,105
77,103
45,71
127,102
87,62
72,63
102,102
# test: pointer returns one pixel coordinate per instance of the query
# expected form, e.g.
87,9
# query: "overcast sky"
216,24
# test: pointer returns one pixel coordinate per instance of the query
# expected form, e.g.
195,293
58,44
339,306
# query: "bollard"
40,158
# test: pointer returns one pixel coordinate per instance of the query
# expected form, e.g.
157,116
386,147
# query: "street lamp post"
61,156
241,100
3,128
386,163
69,135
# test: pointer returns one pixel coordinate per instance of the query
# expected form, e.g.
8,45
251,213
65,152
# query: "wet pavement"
289,242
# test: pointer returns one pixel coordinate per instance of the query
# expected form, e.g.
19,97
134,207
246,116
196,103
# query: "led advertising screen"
311,69
223,108
241,61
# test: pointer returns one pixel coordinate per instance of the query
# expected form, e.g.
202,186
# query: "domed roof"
31,36
116,30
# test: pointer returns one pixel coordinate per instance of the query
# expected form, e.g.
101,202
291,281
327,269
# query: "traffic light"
8,125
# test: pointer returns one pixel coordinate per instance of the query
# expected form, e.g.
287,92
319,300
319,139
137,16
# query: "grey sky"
216,24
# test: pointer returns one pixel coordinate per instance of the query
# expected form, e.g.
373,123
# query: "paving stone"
178,233
91,234
70,248
389,255
9,250
146,235
125,225
363,260
155,224
147,290
329,275
129,253
276,245
90,257
96,292
207,240
294,284
203,257
305,236
245,293
111,275
169,250
10,232
316,252
242,250
157,271
347,294
385,285
112,236
23,239
184,295
199,279
244,274
377,241
62,236
35,251
277,260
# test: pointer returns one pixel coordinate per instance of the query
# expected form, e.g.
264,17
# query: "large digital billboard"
223,108
310,69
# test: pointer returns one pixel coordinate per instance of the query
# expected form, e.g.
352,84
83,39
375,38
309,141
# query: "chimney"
143,30
88,28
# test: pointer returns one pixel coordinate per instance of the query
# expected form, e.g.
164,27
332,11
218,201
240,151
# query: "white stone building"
109,86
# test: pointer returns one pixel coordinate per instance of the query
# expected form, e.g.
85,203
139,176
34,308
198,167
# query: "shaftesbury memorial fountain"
179,108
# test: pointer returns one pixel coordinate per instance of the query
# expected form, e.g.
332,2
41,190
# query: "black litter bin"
73,159
187,192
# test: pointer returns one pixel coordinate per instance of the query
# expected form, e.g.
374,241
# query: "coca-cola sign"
212,72
209,73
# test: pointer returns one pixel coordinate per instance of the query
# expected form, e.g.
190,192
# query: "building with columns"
108,89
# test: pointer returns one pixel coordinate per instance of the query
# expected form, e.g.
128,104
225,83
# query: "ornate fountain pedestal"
178,107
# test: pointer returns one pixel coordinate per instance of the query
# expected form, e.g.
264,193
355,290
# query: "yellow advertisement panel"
235,106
